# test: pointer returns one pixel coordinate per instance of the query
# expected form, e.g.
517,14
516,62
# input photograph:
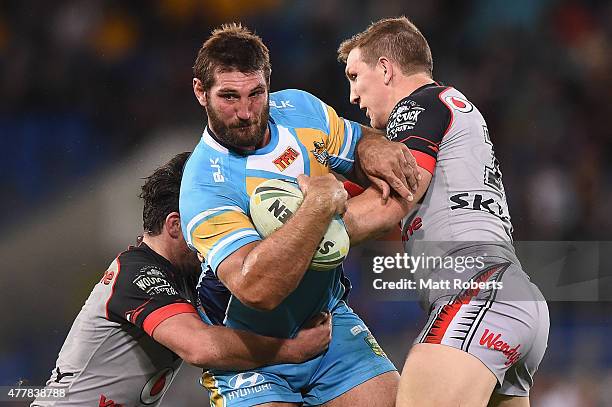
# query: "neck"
160,246
405,85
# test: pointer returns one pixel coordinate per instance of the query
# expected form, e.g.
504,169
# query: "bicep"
180,333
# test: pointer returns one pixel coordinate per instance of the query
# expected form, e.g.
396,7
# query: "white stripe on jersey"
324,106
226,241
342,158
348,139
206,213
212,143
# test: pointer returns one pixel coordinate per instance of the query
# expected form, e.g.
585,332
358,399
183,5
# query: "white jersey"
464,209
109,358
498,316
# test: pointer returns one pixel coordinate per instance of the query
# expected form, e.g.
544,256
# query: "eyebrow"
230,90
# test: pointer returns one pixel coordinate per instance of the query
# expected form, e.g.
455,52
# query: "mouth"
244,126
366,111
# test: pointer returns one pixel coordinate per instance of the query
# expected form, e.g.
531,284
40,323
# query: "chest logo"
320,152
286,159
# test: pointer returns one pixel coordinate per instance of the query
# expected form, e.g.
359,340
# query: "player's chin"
377,124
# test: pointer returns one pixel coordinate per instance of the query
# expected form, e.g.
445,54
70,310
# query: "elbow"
260,301
197,357
259,293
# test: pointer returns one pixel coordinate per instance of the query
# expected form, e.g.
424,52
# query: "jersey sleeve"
143,296
420,122
343,136
340,136
214,215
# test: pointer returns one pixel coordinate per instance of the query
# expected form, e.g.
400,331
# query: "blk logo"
217,176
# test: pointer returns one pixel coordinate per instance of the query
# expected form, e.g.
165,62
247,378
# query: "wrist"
288,352
321,205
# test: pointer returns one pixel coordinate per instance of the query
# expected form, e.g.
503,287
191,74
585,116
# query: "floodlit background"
95,94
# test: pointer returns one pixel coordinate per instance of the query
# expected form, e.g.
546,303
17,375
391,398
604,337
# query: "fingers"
399,184
302,181
327,319
413,174
382,186
319,319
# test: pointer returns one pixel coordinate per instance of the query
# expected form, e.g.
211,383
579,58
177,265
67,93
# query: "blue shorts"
353,357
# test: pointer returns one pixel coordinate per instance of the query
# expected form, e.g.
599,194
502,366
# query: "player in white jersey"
481,345
139,323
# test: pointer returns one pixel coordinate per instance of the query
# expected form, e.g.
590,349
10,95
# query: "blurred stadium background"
95,94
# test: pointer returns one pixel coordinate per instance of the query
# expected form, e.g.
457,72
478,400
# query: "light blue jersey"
306,137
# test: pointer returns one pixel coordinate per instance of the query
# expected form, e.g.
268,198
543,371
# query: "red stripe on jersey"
113,288
161,314
435,147
450,123
353,189
424,161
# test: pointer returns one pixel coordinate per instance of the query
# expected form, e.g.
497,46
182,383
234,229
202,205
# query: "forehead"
353,60
237,80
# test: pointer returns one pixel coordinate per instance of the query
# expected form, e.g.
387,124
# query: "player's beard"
243,134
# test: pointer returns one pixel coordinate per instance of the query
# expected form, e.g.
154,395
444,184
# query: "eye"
257,93
229,97
352,76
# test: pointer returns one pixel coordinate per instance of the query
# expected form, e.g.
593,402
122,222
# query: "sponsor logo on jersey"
156,386
320,152
104,402
217,176
108,277
59,375
477,202
371,341
459,103
281,104
410,227
495,341
404,118
153,281
286,159
357,329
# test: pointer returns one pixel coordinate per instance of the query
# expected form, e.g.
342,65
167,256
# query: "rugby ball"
272,204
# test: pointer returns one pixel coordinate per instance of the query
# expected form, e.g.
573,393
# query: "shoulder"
424,109
298,108
136,262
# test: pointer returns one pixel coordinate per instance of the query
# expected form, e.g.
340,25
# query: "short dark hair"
395,38
160,193
231,48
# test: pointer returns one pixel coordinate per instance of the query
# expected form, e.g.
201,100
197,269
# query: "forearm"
368,217
273,269
230,349
223,348
368,135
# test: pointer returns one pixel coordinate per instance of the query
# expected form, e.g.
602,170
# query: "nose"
243,109
354,99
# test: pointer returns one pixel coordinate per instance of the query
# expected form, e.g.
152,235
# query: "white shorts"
505,327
